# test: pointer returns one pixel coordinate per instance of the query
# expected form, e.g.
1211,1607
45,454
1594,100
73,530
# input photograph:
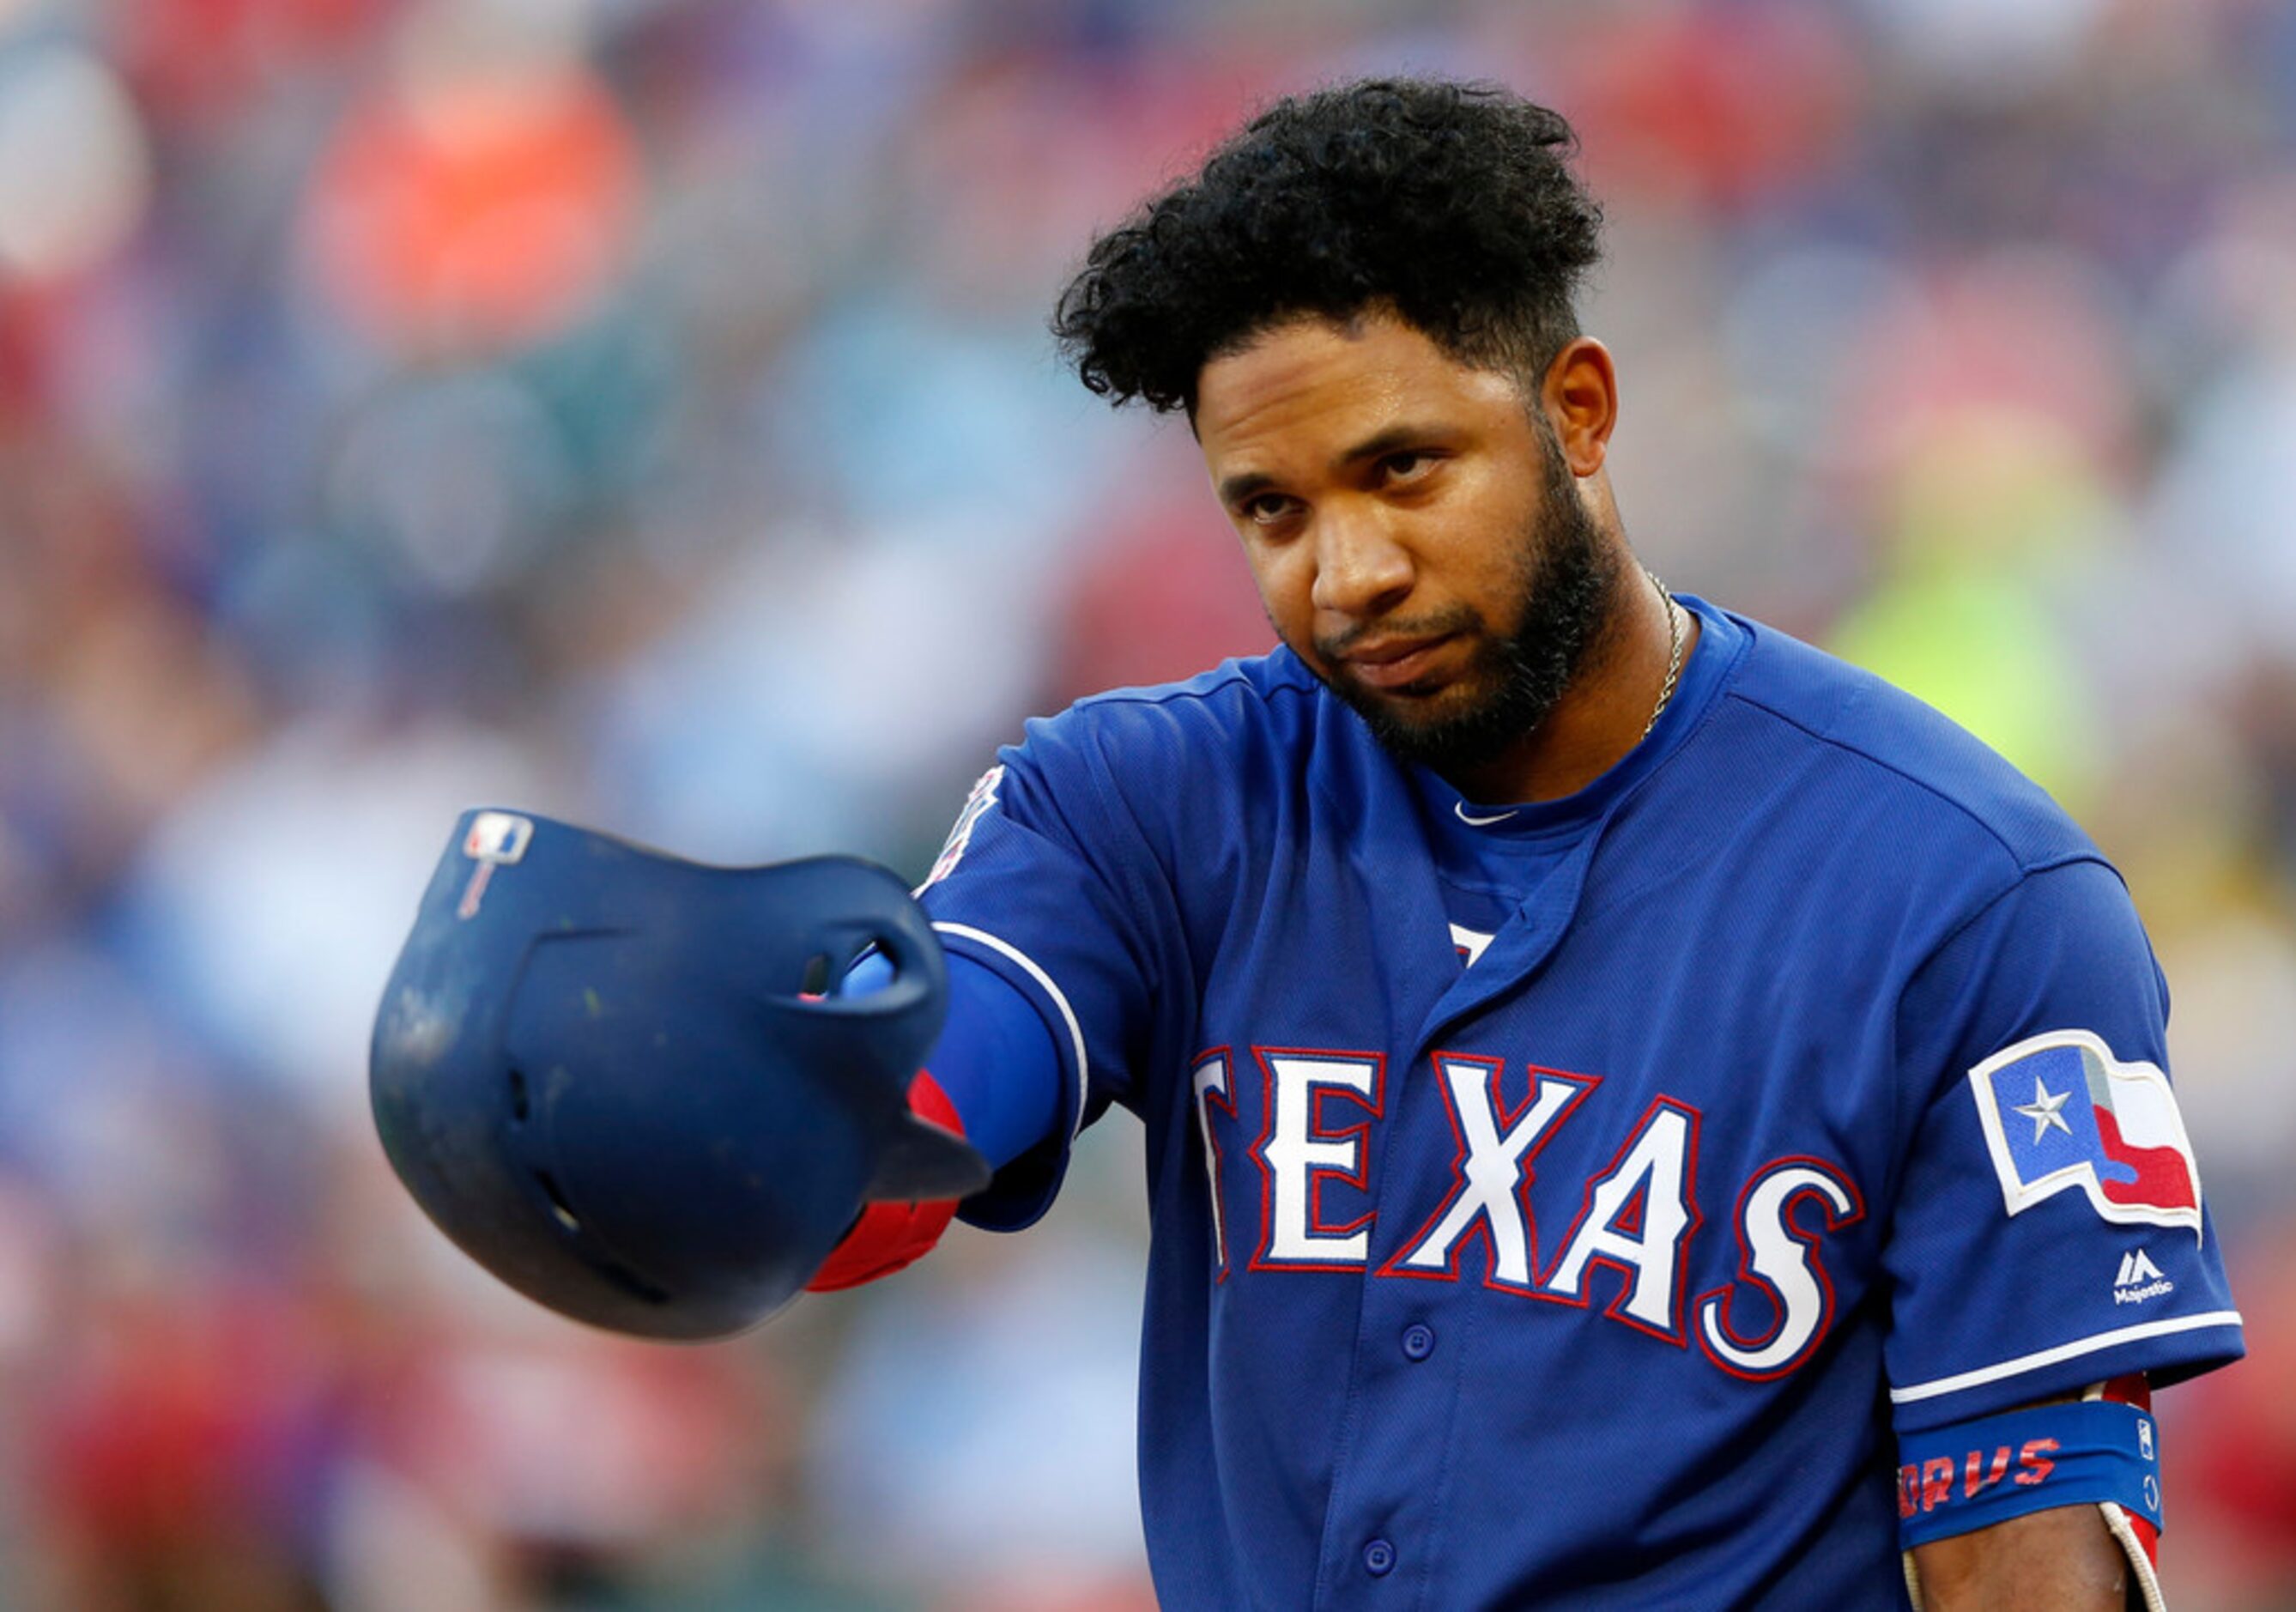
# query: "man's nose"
1362,569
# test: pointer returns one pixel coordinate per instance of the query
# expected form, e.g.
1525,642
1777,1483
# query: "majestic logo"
960,834
2061,1113
2139,1279
496,839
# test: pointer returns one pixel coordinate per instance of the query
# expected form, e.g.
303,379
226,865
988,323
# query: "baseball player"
1638,1112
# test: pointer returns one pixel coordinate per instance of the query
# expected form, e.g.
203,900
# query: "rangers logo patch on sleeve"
960,834
2061,1112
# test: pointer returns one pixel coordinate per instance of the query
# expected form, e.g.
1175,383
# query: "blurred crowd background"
641,412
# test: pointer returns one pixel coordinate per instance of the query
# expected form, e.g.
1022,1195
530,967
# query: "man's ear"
1581,397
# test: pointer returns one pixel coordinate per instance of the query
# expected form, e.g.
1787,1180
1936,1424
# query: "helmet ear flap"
922,1161
604,1080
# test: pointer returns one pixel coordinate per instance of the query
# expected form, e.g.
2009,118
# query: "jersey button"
1378,1558
1418,1341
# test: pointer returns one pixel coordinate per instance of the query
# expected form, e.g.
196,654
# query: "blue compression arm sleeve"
996,1058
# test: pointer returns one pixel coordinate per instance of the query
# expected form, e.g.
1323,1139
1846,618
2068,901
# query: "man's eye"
1266,508
1406,466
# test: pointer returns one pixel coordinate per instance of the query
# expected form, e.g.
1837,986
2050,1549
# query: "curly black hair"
1450,204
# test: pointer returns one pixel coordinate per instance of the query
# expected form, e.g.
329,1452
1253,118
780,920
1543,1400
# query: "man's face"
1417,539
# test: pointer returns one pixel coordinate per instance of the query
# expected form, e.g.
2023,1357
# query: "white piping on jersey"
1461,807
2050,1357
1068,1014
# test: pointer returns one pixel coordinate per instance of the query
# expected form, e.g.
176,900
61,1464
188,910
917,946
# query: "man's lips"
1396,662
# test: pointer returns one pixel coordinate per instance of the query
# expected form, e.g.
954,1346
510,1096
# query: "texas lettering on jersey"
1636,1216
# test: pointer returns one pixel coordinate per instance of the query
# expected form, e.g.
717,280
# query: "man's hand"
892,1235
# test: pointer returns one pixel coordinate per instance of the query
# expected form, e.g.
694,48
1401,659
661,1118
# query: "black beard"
1566,597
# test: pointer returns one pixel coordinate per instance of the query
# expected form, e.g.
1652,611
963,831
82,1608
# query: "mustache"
1337,646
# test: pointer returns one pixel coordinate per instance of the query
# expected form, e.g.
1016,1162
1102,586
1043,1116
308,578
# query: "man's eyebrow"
1235,488
1393,439
1381,443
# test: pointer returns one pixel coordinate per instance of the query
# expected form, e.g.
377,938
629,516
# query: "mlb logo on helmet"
2061,1112
493,839
498,836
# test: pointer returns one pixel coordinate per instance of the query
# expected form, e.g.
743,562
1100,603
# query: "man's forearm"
2059,1561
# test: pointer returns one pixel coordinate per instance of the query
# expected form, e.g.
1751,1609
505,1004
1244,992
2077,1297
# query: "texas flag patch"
2061,1112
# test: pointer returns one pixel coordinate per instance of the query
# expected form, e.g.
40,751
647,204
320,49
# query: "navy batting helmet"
608,1074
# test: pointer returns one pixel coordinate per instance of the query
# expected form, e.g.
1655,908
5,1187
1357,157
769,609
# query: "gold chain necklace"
1673,653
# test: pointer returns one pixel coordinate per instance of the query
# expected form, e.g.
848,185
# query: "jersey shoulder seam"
1978,910
1836,742
1901,1123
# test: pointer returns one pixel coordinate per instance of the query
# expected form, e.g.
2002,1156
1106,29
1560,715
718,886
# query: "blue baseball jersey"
1569,1203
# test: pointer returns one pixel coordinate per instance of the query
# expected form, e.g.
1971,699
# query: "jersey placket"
1383,1541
